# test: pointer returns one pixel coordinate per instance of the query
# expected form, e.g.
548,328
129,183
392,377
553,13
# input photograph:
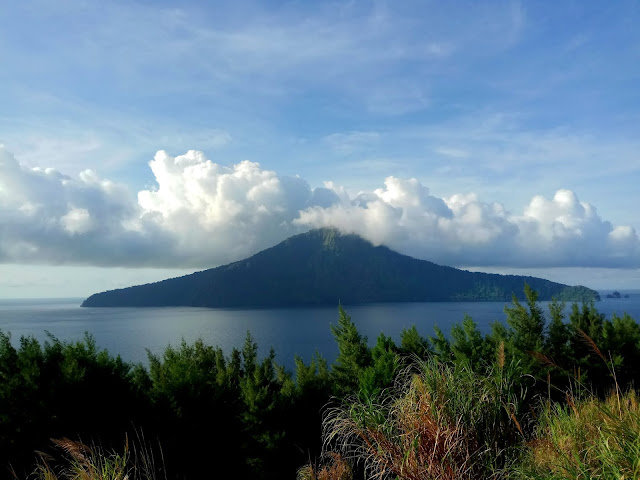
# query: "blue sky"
498,136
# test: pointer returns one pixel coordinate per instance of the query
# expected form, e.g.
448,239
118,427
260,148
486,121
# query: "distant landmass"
616,294
324,267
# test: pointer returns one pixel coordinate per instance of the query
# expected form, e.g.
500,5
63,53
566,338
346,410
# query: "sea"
133,333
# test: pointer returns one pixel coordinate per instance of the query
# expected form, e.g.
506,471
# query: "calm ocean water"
130,331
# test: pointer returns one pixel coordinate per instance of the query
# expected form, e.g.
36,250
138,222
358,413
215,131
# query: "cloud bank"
201,214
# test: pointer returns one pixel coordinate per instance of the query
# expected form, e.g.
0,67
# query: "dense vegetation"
518,402
325,267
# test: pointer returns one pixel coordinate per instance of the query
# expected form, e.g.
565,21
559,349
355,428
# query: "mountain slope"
325,267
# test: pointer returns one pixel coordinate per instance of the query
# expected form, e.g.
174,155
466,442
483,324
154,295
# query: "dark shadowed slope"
325,267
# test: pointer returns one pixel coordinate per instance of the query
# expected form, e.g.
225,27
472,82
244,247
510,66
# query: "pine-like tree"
354,355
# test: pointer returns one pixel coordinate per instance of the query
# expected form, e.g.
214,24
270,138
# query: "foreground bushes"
467,405
233,413
438,421
586,438
444,424
61,389
415,435
82,462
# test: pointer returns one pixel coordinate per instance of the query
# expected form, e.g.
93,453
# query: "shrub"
82,462
588,438
439,421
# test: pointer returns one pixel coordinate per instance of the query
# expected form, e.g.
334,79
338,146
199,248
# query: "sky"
143,140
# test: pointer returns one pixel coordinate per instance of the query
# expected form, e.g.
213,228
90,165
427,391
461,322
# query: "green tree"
586,345
380,374
469,345
621,338
527,323
353,357
441,345
557,341
412,343
312,378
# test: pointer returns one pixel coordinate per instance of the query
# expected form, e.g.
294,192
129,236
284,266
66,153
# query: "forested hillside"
324,267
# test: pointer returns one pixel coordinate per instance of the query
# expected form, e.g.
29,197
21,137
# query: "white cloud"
451,152
352,142
202,214
462,230
77,221
228,212
48,217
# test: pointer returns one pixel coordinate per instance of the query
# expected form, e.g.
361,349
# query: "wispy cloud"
451,152
352,142
146,50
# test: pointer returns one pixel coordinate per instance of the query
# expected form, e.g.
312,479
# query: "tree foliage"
238,414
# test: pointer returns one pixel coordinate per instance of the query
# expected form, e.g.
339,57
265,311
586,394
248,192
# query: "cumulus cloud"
462,230
219,213
77,220
201,214
48,217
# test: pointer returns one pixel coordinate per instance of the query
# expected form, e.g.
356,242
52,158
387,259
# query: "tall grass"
584,439
83,462
439,421
332,467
